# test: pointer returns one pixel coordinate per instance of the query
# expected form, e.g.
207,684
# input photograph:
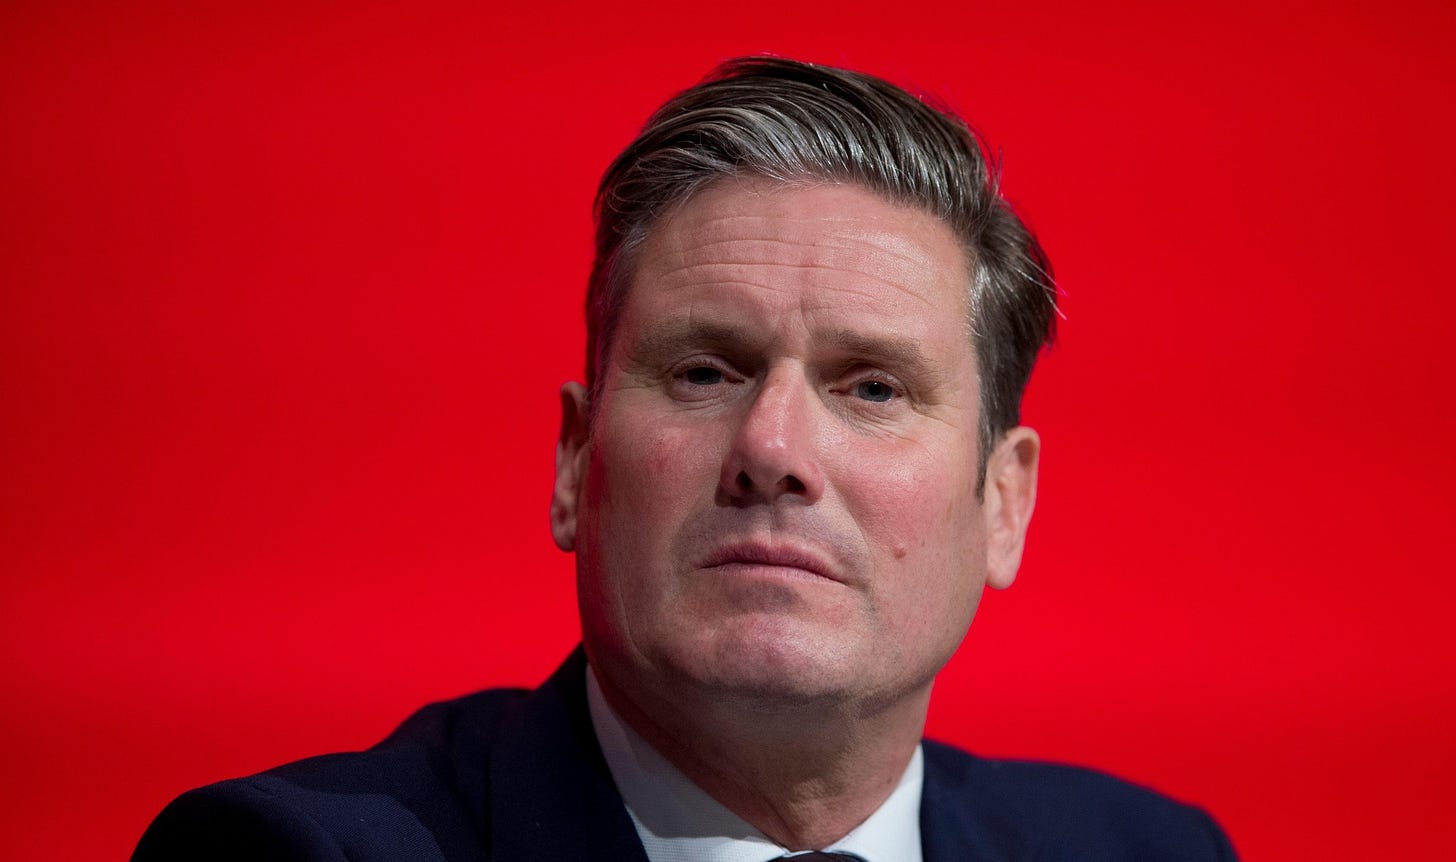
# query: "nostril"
744,484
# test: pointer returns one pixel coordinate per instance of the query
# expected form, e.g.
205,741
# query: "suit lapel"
552,799
551,794
960,818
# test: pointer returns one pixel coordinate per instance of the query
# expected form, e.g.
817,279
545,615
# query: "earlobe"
570,464
1010,498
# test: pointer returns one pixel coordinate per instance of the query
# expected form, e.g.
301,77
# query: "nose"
773,453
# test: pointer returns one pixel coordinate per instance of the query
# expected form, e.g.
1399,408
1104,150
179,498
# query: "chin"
769,663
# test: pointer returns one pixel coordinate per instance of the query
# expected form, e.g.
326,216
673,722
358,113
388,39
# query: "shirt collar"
679,822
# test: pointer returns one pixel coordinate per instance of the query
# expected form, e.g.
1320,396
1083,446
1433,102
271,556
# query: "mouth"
777,559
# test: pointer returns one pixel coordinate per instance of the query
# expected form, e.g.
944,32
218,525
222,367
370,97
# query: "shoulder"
419,794
1055,811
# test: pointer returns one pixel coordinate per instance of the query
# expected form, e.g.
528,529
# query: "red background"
286,293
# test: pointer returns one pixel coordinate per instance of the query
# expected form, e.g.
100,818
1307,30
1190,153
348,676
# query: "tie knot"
819,856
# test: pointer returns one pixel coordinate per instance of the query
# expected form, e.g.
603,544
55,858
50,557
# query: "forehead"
820,248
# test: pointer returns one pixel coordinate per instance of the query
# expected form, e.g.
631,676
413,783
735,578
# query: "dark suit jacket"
514,775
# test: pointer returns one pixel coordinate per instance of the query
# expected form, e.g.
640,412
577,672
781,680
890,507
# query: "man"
794,466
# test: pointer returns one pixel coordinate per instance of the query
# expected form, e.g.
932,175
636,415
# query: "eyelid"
701,360
676,382
856,375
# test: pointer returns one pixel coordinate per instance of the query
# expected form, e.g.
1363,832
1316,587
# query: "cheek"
645,482
915,505
651,467
923,525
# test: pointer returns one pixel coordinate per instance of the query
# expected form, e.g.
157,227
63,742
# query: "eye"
873,390
703,375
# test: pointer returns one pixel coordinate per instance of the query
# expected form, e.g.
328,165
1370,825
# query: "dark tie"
819,856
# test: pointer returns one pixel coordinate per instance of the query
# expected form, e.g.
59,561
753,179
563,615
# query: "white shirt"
679,822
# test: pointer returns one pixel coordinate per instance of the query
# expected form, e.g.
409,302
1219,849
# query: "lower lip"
769,571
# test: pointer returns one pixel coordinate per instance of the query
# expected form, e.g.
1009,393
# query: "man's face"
775,493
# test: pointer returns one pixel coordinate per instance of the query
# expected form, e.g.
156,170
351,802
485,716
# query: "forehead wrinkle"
908,241
719,274
888,248
802,234
837,259
835,292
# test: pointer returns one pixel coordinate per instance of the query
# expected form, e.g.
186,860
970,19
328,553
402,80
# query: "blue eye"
703,375
873,390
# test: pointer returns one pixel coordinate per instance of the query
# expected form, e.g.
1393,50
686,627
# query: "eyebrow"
902,353
675,336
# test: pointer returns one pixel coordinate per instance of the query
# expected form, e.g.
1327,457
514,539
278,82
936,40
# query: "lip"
779,555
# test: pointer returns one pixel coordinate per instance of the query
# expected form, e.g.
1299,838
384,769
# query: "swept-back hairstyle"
793,121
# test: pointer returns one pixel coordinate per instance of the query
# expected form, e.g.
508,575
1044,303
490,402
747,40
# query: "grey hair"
791,121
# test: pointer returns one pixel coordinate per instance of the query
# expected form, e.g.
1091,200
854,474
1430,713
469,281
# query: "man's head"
791,121
797,464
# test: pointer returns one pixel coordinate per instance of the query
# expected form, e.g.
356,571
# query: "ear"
1010,497
571,457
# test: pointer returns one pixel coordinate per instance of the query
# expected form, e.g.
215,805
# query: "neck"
804,774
